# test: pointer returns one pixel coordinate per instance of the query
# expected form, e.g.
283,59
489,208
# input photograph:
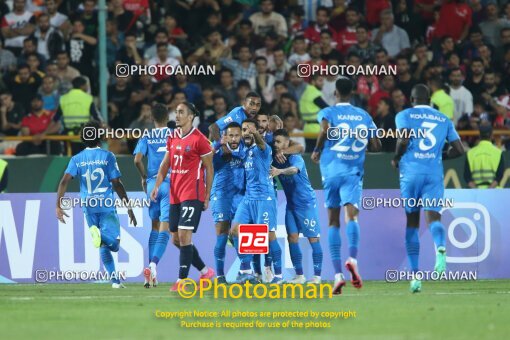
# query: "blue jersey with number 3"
424,152
95,168
345,155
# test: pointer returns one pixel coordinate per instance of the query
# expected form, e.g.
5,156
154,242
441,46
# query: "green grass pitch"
444,310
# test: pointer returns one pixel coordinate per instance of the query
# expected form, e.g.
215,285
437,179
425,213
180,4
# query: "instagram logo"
474,219
304,70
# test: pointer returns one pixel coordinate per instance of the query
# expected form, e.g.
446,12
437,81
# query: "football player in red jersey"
188,154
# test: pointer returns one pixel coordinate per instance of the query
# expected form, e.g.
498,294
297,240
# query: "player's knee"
175,241
293,238
313,239
115,246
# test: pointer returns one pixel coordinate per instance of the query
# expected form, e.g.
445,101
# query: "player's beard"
233,146
248,140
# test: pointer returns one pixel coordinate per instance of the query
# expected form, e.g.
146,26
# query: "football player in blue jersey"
301,214
153,146
419,159
227,190
99,174
346,131
259,202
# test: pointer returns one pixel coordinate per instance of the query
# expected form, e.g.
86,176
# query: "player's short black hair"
78,82
420,94
160,112
252,121
252,94
191,107
234,125
344,86
281,132
89,134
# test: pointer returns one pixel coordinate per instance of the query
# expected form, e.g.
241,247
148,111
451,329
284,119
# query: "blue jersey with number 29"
345,155
424,151
95,168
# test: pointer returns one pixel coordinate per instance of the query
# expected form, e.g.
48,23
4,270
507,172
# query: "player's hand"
280,157
395,162
60,215
154,194
274,171
132,217
206,204
144,185
224,140
316,156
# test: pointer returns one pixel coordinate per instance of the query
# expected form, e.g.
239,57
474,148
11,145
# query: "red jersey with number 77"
187,176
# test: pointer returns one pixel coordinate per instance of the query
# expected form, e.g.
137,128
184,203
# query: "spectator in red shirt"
35,124
313,32
454,20
347,37
425,8
387,85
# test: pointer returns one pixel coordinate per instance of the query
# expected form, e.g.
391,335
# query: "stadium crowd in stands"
460,49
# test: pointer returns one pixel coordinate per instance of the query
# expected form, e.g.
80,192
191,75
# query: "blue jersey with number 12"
95,168
345,156
424,154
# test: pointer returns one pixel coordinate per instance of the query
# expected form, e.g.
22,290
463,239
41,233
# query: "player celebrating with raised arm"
301,214
154,147
259,202
190,153
421,172
227,190
99,173
341,164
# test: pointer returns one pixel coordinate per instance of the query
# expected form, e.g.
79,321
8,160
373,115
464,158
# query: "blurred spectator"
296,84
81,48
8,60
49,40
398,100
162,37
454,20
300,54
143,90
491,89
192,90
119,94
290,123
114,42
219,109
374,8
58,21
329,87
226,86
387,85
327,46
470,48
385,120
242,68
23,85
474,80
485,165
30,47
364,48
313,32
405,80
462,98
144,120
298,23
263,82
310,103
211,52
66,73
162,58
49,94
206,105
125,19
492,24
287,105
35,125
164,94
382,58
176,34
347,36
11,114
393,38
447,46
89,17
440,100
212,23
131,55
231,14
267,20
409,20
243,88
419,61
16,26
270,44
281,67
245,37
34,64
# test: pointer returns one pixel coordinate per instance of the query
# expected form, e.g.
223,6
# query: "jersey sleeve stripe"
205,154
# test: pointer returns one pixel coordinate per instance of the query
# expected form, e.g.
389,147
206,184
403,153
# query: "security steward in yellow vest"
76,108
310,104
3,175
484,163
